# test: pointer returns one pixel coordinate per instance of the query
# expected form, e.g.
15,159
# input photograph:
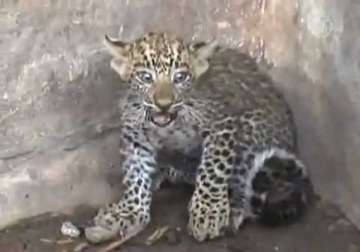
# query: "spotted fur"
207,116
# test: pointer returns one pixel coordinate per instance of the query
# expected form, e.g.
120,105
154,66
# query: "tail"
281,188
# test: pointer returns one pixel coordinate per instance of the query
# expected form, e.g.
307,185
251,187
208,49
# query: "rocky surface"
58,94
324,228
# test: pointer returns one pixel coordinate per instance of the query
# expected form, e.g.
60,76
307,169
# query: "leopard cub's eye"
181,77
144,76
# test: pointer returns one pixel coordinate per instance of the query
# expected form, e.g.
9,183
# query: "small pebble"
69,229
63,242
46,240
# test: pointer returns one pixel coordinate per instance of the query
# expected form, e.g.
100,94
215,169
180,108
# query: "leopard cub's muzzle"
165,104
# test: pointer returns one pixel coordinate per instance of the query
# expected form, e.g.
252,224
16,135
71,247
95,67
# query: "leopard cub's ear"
117,48
200,53
120,62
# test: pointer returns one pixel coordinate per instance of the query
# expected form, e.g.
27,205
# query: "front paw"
111,224
209,216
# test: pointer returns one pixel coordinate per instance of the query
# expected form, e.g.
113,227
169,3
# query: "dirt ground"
324,229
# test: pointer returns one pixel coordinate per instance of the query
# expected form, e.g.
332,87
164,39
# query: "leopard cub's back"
236,78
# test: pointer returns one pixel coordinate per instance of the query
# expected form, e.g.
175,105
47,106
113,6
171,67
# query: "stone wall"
57,92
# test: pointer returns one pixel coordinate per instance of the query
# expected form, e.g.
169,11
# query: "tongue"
161,119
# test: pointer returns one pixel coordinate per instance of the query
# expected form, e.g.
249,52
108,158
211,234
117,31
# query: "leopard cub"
214,108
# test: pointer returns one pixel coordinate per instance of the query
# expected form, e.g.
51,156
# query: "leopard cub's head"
162,68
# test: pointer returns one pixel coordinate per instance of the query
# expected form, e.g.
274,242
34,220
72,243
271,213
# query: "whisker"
148,105
147,114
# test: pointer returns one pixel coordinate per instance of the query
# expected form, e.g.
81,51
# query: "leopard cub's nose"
163,95
164,104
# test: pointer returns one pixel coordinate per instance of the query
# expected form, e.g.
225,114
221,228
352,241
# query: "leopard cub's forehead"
160,52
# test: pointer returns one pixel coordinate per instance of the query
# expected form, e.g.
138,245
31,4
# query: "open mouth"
162,119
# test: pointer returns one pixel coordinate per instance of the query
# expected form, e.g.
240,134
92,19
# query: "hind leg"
239,193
